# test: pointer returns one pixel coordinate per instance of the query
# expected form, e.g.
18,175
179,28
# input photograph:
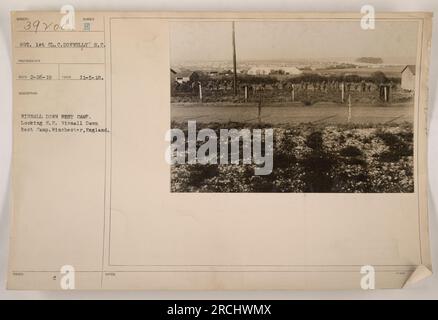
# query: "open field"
277,113
390,71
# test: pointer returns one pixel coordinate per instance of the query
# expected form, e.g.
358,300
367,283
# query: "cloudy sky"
393,41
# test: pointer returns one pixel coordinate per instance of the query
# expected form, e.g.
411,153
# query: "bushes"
200,173
351,151
398,146
308,158
307,102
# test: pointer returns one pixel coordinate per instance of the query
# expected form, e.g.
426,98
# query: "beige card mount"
219,151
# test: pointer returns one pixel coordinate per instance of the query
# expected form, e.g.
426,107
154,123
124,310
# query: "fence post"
342,91
259,111
200,92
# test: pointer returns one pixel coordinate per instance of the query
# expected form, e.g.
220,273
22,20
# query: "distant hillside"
370,60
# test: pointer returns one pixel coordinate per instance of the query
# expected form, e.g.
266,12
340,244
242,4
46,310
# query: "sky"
288,40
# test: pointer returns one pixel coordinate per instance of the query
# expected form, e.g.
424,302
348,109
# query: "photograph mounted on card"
220,150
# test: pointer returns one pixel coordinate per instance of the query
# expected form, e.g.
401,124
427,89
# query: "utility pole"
234,61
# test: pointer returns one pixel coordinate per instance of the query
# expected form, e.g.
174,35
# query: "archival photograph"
292,106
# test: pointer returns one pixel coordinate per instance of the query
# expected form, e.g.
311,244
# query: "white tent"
291,70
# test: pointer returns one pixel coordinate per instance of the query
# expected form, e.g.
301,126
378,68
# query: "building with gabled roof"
408,77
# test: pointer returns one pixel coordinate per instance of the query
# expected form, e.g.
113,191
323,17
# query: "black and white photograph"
338,99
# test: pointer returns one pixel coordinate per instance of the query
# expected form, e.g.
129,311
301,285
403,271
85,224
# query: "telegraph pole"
234,61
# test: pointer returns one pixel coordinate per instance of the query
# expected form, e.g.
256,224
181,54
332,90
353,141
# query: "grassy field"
303,96
342,158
